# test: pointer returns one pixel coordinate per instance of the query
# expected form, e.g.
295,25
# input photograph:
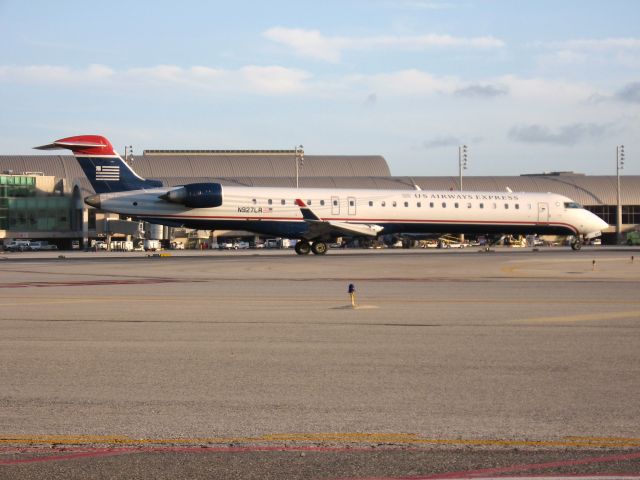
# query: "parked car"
42,245
18,246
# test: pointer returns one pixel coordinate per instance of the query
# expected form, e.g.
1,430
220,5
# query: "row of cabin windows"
395,204
444,205
309,202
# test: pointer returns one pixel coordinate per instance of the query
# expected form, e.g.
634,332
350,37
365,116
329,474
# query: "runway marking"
585,317
318,438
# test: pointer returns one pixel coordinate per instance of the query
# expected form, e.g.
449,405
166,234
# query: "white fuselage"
274,211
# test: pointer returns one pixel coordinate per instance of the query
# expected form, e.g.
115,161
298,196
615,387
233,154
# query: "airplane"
316,216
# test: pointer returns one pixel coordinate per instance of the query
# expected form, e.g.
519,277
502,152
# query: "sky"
528,86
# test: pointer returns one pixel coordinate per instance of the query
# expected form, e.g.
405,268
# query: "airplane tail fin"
103,167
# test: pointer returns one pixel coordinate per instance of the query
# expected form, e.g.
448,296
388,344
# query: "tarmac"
253,364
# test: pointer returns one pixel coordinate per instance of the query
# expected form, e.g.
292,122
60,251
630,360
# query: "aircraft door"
351,205
335,206
543,212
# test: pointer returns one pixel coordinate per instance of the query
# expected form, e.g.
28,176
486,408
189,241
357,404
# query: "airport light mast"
462,161
462,165
299,156
128,152
619,166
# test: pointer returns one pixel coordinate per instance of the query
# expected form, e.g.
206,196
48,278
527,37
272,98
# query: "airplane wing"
319,228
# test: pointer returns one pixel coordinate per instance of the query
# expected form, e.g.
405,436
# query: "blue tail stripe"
112,174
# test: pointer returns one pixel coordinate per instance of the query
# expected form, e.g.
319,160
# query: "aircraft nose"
93,200
603,224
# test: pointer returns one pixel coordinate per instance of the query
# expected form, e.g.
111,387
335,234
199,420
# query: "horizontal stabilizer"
82,145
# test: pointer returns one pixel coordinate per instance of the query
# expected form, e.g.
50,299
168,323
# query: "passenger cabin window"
270,202
335,203
430,204
419,204
283,202
254,201
322,203
572,205
482,205
351,203
370,203
457,205
469,205
383,204
395,204
517,205
495,205
506,206
444,204
406,204
308,202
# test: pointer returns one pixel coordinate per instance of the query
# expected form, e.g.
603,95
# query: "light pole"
619,166
462,165
462,161
299,156
128,151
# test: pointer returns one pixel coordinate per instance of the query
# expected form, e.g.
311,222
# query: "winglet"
307,213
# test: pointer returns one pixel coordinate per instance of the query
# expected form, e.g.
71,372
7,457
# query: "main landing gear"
318,248
576,244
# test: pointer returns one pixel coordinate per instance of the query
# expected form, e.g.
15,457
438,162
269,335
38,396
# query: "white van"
18,246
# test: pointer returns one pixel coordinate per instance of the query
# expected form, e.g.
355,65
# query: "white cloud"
279,80
312,44
598,53
264,80
564,135
406,83
595,44
55,74
541,88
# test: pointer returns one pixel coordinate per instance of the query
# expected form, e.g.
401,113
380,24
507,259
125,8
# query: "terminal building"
41,196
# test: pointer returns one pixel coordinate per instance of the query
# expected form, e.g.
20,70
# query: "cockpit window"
572,205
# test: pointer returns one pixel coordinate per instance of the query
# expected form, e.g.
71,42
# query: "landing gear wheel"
576,245
319,248
302,247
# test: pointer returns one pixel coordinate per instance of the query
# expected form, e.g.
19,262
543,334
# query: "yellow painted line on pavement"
585,317
318,438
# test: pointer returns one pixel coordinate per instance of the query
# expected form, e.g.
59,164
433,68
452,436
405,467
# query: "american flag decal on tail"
108,173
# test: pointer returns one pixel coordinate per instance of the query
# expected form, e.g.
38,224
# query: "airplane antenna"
415,185
509,190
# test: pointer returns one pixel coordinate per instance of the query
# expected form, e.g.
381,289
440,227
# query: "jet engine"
196,195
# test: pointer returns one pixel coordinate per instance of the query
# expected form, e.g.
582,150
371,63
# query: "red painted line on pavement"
468,474
100,452
105,452
491,472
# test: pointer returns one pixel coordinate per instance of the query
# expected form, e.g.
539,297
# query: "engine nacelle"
196,195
